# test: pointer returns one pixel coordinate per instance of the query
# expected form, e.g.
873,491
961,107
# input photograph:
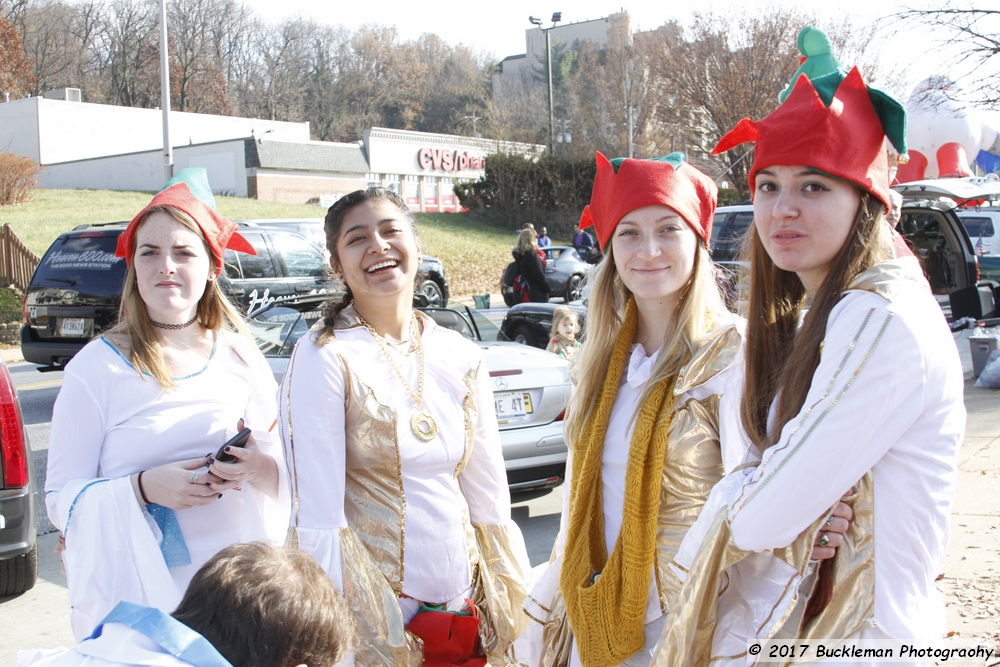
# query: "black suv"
76,289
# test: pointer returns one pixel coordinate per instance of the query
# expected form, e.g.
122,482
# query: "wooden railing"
17,262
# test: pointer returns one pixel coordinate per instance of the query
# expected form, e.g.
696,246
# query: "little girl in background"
565,326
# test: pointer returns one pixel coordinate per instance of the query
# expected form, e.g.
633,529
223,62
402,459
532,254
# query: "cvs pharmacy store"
423,168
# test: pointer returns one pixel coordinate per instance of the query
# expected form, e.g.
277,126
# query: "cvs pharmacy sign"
445,159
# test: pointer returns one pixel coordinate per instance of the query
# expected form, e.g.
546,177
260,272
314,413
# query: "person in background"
250,605
583,242
543,238
853,383
132,484
530,269
397,469
565,327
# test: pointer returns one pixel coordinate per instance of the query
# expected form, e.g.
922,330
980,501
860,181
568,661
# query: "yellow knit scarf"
607,616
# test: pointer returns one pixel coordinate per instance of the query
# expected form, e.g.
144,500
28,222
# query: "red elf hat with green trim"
829,121
189,191
625,184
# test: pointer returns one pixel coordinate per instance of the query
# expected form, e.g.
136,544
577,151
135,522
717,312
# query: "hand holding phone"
238,440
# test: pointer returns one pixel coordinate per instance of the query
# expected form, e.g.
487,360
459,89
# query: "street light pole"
556,17
168,150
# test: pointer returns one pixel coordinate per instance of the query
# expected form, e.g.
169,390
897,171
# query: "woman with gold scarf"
643,425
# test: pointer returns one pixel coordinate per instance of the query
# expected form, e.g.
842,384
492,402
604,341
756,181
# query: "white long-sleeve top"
109,422
887,396
439,506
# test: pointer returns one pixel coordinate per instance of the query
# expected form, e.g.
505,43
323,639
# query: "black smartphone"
238,440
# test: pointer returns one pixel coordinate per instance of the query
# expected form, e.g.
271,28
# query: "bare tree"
59,39
128,53
973,34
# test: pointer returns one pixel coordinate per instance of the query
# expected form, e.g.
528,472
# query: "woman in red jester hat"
853,383
132,483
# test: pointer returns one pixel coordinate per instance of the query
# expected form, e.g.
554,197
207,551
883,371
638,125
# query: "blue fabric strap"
173,547
173,636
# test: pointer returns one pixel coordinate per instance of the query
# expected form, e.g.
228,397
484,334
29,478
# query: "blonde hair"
527,241
214,312
700,309
563,313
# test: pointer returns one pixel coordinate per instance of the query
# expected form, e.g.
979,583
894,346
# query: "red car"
18,510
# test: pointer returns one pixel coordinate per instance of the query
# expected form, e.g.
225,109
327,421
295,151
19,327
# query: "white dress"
886,398
359,473
110,422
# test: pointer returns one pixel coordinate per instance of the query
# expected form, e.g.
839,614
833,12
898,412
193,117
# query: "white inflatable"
942,134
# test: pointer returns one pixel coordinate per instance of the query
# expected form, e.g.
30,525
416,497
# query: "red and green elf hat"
828,120
625,184
189,191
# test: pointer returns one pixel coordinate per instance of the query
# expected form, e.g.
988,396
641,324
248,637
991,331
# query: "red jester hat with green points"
189,191
828,120
625,184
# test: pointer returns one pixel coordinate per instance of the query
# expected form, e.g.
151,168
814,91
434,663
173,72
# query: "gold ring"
824,540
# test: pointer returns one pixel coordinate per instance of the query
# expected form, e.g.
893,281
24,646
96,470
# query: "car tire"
574,288
19,574
524,336
433,292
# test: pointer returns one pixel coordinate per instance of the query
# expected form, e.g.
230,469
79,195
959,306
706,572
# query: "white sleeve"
312,419
865,393
75,439
484,479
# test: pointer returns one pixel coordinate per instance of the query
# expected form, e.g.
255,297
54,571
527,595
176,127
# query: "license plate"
511,404
74,326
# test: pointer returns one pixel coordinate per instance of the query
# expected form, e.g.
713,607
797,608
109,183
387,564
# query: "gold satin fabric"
498,595
379,637
690,626
373,500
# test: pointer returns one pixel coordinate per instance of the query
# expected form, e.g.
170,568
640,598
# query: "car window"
451,319
278,329
231,262
977,226
730,237
86,262
717,222
301,258
259,265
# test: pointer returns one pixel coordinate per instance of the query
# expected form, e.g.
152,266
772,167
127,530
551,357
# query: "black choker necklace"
174,327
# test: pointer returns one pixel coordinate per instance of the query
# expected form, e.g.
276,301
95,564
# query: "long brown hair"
699,309
214,312
781,357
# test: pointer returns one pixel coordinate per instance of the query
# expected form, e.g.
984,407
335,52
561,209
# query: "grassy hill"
474,253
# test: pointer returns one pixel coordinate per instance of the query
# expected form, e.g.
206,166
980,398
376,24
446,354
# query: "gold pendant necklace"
422,424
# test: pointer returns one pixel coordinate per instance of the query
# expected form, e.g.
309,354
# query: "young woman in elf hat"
864,396
659,387
131,481
400,491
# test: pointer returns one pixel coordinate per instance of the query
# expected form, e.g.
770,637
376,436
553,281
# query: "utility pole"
168,150
556,18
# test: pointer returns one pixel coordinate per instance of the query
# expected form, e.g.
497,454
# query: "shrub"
17,178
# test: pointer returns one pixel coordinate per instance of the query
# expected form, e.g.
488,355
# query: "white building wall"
68,131
225,162
19,127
